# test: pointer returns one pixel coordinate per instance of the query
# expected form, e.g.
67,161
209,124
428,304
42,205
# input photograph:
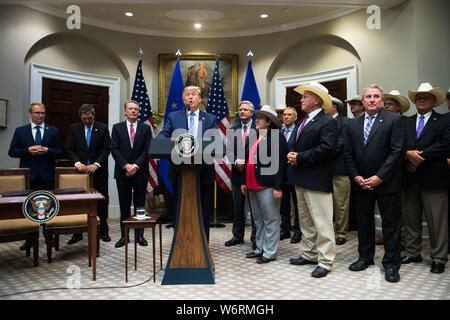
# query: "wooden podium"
190,260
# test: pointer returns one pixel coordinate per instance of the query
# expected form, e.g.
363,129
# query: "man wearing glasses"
37,145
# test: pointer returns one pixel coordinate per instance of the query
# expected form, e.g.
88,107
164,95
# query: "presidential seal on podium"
186,145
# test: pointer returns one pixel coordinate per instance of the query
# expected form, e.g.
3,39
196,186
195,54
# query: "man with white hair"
313,150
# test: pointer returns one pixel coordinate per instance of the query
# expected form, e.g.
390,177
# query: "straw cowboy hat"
270,113
335,100
318,90
395,95
280,108
438,93
356,98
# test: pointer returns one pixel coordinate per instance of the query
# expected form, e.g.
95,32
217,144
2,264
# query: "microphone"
186,109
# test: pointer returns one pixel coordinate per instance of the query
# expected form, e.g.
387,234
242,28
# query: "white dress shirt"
33,131
426,116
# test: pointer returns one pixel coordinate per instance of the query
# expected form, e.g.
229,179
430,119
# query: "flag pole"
215,224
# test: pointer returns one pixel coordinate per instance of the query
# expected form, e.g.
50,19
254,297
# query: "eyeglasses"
39,113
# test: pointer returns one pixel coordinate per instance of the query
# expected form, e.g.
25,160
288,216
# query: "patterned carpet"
237,278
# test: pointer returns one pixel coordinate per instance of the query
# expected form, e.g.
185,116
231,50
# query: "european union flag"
250,91
174,103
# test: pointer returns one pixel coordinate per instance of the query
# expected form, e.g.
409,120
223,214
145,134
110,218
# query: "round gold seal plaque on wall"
186,145
40,206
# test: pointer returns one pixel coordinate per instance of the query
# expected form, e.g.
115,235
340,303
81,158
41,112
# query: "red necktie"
132,134
244,138
301,126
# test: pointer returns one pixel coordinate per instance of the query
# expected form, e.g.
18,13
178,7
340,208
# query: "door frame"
349,73
38,72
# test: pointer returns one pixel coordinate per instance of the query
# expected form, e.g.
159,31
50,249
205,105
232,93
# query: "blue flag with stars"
174,103
250,90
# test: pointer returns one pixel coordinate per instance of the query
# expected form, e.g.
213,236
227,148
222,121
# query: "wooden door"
337,88
62,100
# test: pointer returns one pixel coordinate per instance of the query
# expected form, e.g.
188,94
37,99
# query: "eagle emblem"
40,206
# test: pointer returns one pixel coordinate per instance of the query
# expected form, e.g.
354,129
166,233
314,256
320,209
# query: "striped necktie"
132,133
368,127
420,125
301,127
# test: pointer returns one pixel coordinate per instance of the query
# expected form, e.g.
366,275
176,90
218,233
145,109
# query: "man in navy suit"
373,150
289,130
197,123
88,146
130,141
426,177
241,133
315,145
37,145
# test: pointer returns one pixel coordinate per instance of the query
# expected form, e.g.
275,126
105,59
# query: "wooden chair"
18,179
68,178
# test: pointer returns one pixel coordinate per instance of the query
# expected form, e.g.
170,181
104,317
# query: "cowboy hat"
318,90
336,101
280,107
270,113
438,93
356,98
395,95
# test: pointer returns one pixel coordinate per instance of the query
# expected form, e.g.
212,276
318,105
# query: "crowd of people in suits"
316,164
379,157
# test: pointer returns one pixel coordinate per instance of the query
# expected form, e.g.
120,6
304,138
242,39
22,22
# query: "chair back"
69,177
14,179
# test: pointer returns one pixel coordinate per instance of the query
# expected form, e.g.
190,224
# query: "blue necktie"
88,140
191,124
420,125
368,127
38,137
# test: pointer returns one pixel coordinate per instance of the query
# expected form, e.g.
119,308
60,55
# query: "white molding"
38,72
349,73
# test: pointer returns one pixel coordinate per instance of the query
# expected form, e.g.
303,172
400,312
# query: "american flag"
217,105
146,116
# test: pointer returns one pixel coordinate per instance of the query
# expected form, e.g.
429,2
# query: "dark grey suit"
381,155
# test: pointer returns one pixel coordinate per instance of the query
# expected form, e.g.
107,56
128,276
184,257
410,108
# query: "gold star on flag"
174,105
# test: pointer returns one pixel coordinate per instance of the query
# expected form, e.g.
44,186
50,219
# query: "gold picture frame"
190,64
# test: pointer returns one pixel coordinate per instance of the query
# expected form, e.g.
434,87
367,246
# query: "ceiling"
232,18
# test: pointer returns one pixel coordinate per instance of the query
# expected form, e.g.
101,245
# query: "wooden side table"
133,223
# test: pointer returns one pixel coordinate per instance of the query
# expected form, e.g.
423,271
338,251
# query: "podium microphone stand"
190,260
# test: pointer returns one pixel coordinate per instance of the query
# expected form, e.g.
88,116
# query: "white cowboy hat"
280,108
335,100
270,113
438,93
395,95
318,90
356,98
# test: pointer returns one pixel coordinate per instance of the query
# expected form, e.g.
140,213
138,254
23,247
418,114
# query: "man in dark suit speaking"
37,145
130,141
197,123
88,146
374,156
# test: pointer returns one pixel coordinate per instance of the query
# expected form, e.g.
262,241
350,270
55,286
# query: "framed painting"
197,70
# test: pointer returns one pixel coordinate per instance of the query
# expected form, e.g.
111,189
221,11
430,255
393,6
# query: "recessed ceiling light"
264,16
129,14
197,26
